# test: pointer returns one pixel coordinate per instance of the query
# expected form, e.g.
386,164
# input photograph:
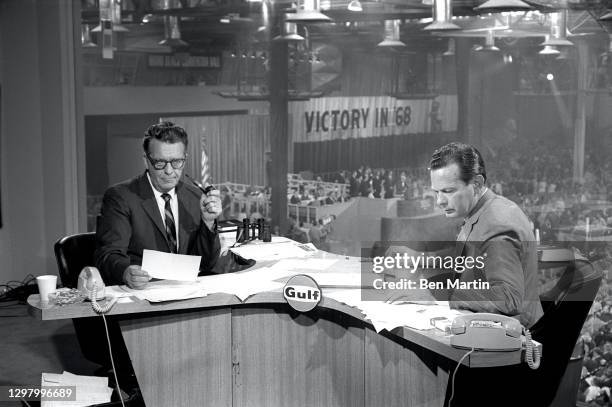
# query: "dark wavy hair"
466,156
166,132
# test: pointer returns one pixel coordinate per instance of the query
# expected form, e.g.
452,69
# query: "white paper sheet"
304,264
332,279
89,389
242,285
168,290
275,250
388,316
170,266
117,291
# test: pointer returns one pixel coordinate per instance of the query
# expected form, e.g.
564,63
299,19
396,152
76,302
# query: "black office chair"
72,254
566,307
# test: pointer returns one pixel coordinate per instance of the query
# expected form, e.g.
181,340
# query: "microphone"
205,189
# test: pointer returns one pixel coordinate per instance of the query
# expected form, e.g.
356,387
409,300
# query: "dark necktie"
170,228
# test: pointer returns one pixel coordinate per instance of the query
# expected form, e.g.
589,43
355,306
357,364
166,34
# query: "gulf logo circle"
302,293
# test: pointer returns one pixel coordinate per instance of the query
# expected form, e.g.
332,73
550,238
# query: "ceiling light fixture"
549,50
442,11
558,30
86,41
307,12
172,33
110,10
451,48
498,6
489,45
265,17
564,54
392,35
289,33
355,5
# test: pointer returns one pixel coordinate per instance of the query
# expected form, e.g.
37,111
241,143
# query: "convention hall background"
345,116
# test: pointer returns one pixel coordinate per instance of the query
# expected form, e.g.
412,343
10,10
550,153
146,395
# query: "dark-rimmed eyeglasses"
177,164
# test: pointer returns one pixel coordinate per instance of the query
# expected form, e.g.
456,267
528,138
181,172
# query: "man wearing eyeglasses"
158,211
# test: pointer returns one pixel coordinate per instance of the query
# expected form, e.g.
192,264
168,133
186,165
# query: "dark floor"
29,346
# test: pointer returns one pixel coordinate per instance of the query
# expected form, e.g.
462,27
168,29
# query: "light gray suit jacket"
498,230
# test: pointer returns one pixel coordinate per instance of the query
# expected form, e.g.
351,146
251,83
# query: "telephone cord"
453,376
532,353
101,310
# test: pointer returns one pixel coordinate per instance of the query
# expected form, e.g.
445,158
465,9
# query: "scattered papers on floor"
88,389
171,266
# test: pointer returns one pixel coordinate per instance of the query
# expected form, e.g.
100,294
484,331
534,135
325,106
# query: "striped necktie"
170,226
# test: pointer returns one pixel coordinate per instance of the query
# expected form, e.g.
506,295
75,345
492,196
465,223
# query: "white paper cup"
46,286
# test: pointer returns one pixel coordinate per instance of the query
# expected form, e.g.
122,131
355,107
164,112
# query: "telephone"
493,332
92,287
486,332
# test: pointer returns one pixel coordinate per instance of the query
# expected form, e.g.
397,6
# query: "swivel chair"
566,307
72,254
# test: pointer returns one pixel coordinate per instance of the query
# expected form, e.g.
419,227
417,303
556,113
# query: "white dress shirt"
161,205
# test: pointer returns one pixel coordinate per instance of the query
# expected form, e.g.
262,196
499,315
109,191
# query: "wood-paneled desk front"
218,351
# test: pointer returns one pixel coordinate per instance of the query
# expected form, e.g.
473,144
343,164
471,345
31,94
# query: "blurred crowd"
596,344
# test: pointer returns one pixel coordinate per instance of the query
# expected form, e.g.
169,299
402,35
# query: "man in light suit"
156,210
494,228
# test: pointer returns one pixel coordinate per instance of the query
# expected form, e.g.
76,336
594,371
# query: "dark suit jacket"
499,230
130,222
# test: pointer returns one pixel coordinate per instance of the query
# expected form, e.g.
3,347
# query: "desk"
218,351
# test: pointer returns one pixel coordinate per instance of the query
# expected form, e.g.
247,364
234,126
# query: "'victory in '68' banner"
332,118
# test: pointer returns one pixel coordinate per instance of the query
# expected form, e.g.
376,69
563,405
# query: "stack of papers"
243,284
278,248
167,290
389,316
89,389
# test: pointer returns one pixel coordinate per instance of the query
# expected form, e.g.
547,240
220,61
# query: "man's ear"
478,182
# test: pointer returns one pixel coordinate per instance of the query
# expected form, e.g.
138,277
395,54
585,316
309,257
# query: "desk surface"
432,339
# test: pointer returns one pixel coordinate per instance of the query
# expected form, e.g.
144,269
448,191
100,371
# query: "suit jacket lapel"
466,229
150,206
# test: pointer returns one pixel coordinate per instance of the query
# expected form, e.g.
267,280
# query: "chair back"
566,307
72,254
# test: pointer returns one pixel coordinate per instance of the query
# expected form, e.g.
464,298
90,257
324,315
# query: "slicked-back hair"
466,156
166,132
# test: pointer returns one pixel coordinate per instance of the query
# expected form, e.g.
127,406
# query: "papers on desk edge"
293,258
389,316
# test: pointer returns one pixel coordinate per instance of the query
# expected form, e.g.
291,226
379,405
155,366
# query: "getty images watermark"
433,270
412,263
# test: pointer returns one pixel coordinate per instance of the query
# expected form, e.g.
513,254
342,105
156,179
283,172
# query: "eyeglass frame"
154,162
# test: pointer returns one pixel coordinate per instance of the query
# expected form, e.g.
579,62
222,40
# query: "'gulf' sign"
302,293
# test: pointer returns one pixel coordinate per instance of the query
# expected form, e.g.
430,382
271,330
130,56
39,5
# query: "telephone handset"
92,286
493,332
486,332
